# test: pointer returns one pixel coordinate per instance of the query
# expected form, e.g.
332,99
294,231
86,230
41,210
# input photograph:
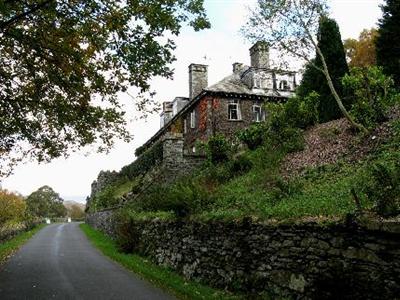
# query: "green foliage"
381,185
240,165
303,112
372,92
104,199
388,40
160,276
281,133
218,149
12,207
8,247
183,198
253,136
76,212
45,202
330,43
144,162
58,56
127,236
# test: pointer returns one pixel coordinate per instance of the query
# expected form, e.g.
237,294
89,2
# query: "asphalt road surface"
60,263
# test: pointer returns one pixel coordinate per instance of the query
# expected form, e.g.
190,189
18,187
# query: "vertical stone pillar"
173,152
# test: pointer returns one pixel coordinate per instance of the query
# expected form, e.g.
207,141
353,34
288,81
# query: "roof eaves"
170,122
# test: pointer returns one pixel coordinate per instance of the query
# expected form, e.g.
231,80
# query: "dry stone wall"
304,261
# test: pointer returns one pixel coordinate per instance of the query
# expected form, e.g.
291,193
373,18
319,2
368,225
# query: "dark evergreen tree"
388,41
330,43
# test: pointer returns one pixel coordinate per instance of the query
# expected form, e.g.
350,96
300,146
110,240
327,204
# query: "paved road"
59,263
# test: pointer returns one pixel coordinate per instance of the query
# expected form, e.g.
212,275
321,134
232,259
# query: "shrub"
372,92
240,165
281,133
183,198
128,235
218,149
381,185
253,136
302,112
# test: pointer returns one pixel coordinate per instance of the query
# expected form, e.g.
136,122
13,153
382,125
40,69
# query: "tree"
12,207
63,63
330,43
45,202
291,27
388,40
75,212
362,52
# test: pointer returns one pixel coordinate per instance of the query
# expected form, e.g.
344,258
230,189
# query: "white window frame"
193,119
235,103
258,117
184,125
284,85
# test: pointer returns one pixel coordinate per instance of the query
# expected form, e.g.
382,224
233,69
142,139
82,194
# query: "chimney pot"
237,67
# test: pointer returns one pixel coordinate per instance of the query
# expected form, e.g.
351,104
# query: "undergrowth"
10,246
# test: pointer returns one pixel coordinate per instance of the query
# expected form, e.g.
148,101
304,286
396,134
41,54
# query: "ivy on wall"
147,160
203,114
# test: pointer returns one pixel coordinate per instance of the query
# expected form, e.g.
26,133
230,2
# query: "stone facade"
303,261
205,112
212,117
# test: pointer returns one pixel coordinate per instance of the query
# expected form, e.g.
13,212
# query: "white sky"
218,47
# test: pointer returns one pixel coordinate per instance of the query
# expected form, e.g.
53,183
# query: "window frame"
193,119
235,103
261,114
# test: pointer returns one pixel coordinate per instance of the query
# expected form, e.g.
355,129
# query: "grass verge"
159,276
10,246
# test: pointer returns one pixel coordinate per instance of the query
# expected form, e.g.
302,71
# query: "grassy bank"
159,276
10,246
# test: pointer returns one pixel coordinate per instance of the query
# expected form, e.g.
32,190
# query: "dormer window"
283,85
258,83
234,110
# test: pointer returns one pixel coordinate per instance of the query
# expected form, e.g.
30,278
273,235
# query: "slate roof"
231,85
234,84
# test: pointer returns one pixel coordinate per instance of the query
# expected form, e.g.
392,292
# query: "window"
234,110
193,119
184,126
283,85
258,83
257,113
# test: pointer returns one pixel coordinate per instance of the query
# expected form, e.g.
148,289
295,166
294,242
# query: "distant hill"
69,203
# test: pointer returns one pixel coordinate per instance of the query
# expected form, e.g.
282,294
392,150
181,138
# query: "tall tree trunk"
336,96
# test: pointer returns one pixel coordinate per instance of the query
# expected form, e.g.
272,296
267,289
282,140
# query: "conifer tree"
330,43
388,41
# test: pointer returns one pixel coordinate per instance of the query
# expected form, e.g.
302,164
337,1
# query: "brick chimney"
198,79
259,55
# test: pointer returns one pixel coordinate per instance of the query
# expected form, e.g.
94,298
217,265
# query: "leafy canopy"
361,52
63,63
12,207
45,202
330,43
388,41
